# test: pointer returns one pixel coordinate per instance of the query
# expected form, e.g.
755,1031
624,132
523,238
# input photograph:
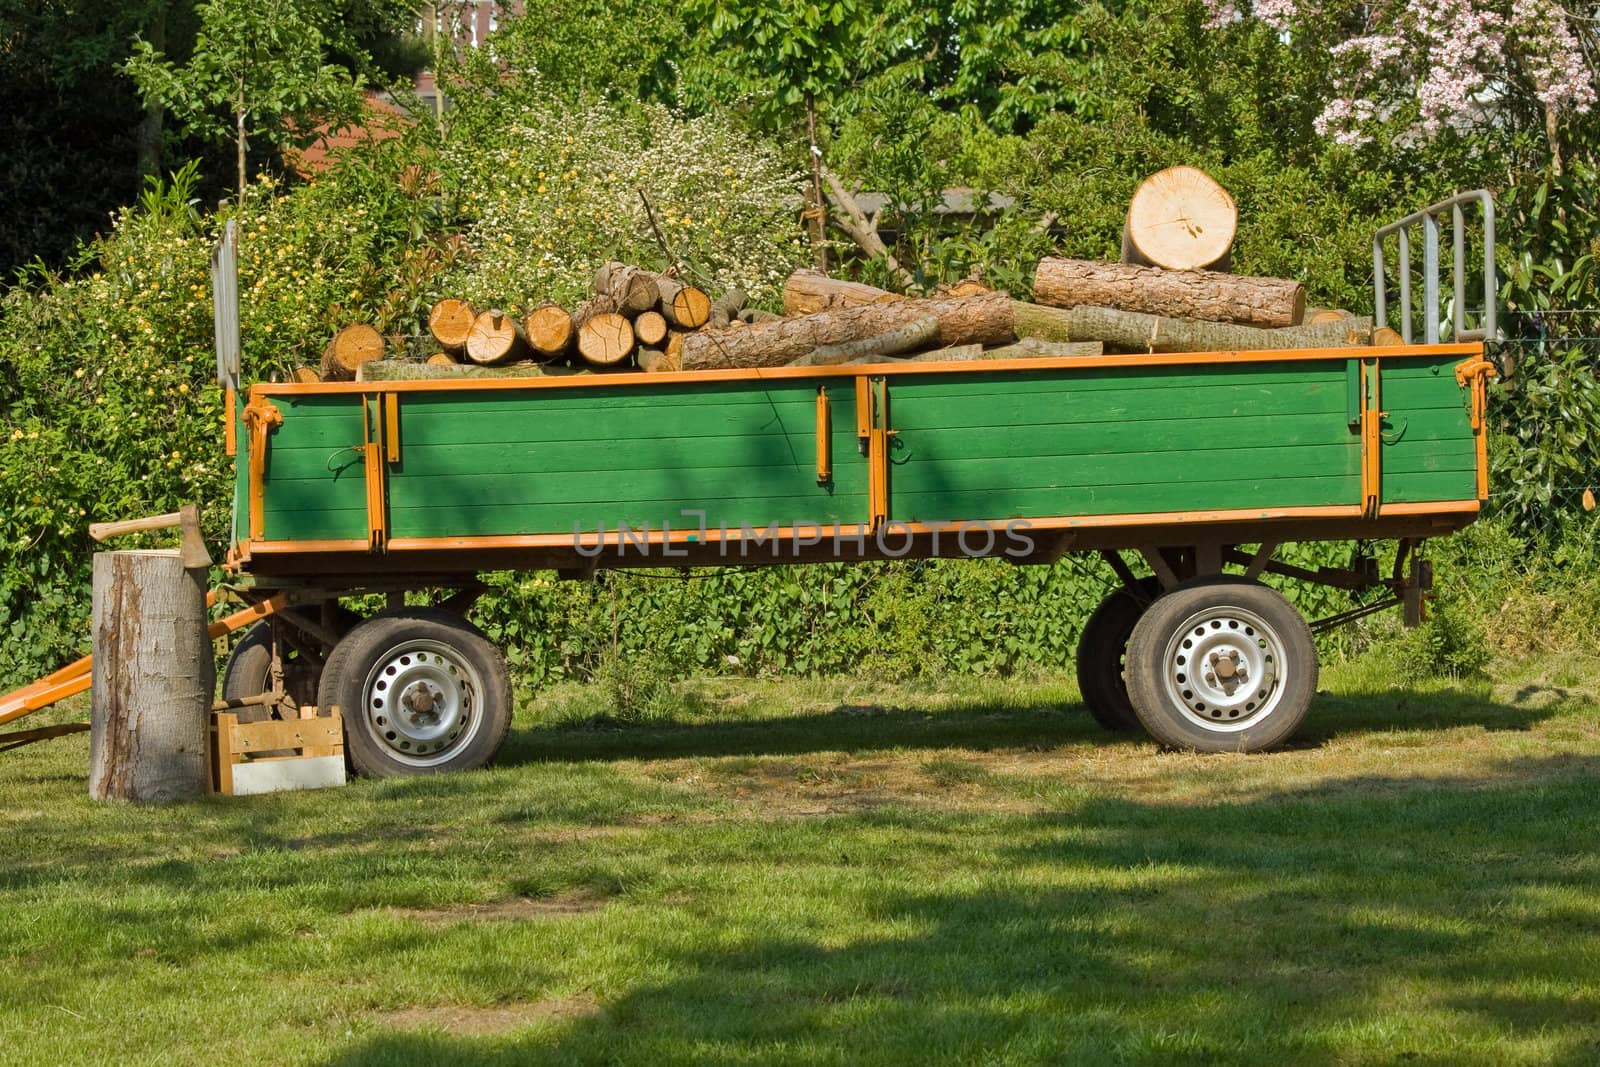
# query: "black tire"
249,669
1213,625
1102,655
418,653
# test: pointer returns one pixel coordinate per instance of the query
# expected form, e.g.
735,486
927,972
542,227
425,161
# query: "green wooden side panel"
1055,442
1429,451
1123,441
507,463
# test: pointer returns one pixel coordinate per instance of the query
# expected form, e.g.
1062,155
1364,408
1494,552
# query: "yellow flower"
184,388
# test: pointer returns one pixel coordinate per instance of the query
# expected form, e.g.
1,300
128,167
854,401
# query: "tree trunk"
1136,332
862,230
1387,335
450,322
808,291
984,319
442,359
1181,219
350,347
606,339
650,328
1186,294
495,338
631,289
548,328
148,136
153,677
684,306
306,375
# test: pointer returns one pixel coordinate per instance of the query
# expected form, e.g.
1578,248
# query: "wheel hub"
420,701
1223,667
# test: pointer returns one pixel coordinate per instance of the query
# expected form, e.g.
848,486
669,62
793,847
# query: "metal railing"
225,305
1428,219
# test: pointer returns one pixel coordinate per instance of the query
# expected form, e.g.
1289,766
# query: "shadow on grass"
1450,924
980,726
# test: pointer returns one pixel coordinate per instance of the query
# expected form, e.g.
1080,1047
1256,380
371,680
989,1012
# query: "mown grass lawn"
843,872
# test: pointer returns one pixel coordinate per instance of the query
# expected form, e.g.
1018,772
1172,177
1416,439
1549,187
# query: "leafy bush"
563,189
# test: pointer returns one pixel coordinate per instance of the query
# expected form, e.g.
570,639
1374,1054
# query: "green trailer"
1191,468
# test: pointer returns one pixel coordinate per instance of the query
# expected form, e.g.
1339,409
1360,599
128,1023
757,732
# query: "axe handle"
102,530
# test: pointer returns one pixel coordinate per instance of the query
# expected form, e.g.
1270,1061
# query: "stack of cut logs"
1172,292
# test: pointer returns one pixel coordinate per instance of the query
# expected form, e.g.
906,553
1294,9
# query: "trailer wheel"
1102,655
422,691
249,669
1222,665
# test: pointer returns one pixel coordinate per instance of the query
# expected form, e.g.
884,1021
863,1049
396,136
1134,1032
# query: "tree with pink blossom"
1421,67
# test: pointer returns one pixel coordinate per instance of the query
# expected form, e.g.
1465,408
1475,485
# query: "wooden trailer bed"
350,481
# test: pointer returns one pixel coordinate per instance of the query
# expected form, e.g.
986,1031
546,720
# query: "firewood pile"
1171,292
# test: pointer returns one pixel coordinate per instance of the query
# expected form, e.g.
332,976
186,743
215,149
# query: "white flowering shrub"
559,190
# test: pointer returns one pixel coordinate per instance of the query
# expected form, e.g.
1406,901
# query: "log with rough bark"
1181,219
725,307
631,289
913,335
650,328
1184,294
440,359
984,319
808,291
153,675
684,306
450,321
1134,331
606,339
1033,348
549,331
754,315
1024,349
496,337
396,370
350,347
306,375
1040,322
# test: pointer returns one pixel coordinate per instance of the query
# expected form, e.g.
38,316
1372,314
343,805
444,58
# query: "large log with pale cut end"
149,736
1133,331
606,339
685,306
983,319
450,321
1181,294
631,289
496,337
350,347
1181,219
549,331
806,292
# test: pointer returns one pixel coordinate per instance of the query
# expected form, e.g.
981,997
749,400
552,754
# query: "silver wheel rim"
422,702
1225,669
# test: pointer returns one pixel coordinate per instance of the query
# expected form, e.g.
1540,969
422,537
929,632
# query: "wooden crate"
316,740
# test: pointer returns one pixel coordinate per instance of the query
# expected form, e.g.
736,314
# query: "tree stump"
153,679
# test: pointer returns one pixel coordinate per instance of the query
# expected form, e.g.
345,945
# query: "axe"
191,550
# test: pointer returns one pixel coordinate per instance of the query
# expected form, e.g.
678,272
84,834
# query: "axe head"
192,552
